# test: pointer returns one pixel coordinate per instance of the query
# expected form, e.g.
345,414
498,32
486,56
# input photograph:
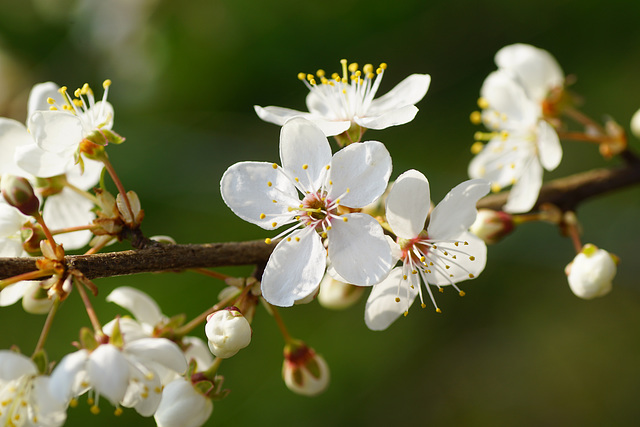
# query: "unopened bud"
304,372
591,272
635,124
227,331
337,295
134,202
18,192
492,226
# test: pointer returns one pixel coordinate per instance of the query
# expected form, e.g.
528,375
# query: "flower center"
347,96
316,211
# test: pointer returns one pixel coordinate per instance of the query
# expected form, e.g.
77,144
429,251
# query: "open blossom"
442,255
25,398
267,195
334,104
521,143
182,405
126,376
591,272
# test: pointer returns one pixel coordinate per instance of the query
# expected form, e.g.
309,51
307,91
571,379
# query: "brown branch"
566,193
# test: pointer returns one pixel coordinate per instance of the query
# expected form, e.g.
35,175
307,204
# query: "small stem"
74,229
118,183
97,327
83,193
98,247
47,326
210,273
47,232
280,323
583,119
36,274
580,136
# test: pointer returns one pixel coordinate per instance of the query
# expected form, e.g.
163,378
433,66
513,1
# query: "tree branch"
566,193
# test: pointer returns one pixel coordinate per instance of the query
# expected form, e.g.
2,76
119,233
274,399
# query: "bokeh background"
519,349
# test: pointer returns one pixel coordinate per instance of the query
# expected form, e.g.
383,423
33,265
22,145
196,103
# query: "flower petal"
382,308
56,131
294,269
549,148
39,95
457,211
395,117
509,106
408,92
408,204
182,406
68,374
470,260
305,152
85,178
142,306
279,116
525,191
13,135
14,365
358,249
69,209
359,173
108,372
245,189
159,350
12,293
41,163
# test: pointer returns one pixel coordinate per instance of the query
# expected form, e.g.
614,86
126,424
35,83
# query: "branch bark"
566,193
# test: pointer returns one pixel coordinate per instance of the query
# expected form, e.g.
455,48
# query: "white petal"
358,249
108,372
13,293
549,148
303,143
41,163
506,97
525,191
245,189
66,375
294,269
408,204
197,350
182,406
89,177
98,116
11,219
39,95
408,92
395,117
10,247
56,131
69,209
537,70
130,329
457,211
159,350
144,392
51,412
142,306
382,309
463,265
279,116
14,365
363,169
13,135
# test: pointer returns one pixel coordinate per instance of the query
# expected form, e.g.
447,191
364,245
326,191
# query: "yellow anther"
118,411
495,188
423,305
434,247
297,239
77,93
106,83
324,235
471,276
288,239
274,201
397,299
512,165
476,117
441,290
269,183
353,67
275,166
63,90
158,389
51,101
383,65
345,219
422,259
267,241
320,73
379,71
513,181
483,103
456,243
404,277
454,257
466,243
447,267
414,271
328,167
445,253
335,76
472,258
262,216
302,76
368,68
338,201
504,135
296,179
52,108
305,166
462,293
330,182
312,82
310,77
73,402
95,410
273,224
77,103
438,310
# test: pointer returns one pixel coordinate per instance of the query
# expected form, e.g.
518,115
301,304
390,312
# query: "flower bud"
304,372
591,272
492,226
125,214
35,299
227,331
337,295
635,124
18,192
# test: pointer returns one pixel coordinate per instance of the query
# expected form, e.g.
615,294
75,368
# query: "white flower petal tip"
142,306
388,301
347,97
591,272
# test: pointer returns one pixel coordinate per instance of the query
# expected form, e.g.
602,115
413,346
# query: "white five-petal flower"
267,195
523,143
334,104
443,254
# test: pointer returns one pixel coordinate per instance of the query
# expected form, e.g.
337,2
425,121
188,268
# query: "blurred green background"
519,349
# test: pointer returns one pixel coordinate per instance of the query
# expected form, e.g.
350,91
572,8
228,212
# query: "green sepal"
87,339
113,137
42,361
116,338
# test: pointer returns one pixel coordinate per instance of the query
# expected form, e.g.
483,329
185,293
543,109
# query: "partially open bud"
304,372
35,299
125,214
337,295
18,192
591,272
227,331
492,226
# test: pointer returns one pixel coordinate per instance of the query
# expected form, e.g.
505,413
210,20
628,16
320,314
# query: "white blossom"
334,104
182,406
266,194
443,254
